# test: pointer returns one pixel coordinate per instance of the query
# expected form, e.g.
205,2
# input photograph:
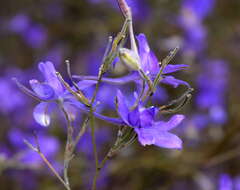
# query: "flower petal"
41,114
173,68
44,91
26,90
153,63
168,140
133,118
153,136
49,72
143,43
122,108
149,62
174,82
86,83
147,116
172,123
145,136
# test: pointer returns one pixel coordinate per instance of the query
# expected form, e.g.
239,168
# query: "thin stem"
116,147
81,132
164,63
132,38
149,82
68,154
181,101
104,67
78,94
94,144
36,149
101,165
159,77
54,171
126,11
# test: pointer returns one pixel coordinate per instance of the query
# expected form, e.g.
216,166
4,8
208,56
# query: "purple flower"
149,131
50,92
150,64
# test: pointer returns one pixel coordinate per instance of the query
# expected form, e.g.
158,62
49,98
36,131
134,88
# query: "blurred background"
208,32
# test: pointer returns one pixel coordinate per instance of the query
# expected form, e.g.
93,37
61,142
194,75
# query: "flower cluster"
143,120
52,91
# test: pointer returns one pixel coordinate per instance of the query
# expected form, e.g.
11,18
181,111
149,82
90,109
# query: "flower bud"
129,58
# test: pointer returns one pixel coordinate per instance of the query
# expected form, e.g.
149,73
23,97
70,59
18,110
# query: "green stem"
68,154
104,67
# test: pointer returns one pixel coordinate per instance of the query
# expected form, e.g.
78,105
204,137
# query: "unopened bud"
129,58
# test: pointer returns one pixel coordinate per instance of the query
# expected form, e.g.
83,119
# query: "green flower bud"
129,58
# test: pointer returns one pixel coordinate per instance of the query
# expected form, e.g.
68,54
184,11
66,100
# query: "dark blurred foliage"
33,31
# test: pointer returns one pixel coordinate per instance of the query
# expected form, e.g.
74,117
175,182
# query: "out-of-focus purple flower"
212,86
49,147
35,36
16,137
237,183
199,9
192,14
48,144
19,23
149,131
140,9
200,120
212,81
225,182
85,143
49,92
10,96
195,38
